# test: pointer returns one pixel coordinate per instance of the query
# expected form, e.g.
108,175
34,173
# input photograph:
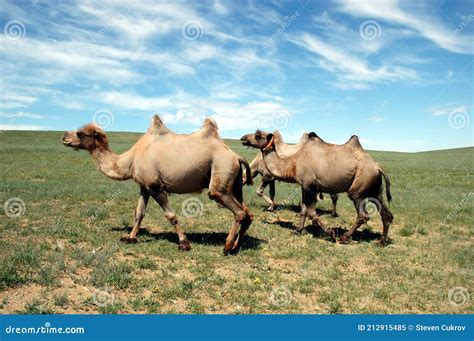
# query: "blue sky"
397,73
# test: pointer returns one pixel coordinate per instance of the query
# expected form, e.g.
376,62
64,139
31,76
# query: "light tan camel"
322,167
257,167
162,162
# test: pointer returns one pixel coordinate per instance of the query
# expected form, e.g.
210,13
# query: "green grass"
66,246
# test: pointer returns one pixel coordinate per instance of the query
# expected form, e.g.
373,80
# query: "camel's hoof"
334,215
129,240
298,232
271,208
184,246
342,240
227,248
383,242
232,251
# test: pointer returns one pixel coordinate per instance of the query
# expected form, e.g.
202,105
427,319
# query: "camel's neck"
279,168
255,166
117,167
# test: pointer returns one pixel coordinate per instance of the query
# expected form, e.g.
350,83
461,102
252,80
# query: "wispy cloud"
183,108
22,127
447,109
425,24
352,71
20,114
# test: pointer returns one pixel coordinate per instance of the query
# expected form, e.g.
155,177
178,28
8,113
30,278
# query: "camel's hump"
210,128
157,126
354,141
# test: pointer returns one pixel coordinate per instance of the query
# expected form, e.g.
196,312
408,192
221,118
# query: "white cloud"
22,127
376,118
353,72
184,108
220,7
447,109
425,24
20,114
132,101
449,74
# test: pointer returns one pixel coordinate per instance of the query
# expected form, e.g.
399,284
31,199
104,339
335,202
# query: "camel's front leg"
139,213
309,201
334,203
271,191
162,199
260,193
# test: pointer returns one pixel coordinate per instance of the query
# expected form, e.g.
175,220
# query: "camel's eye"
80,134
258,137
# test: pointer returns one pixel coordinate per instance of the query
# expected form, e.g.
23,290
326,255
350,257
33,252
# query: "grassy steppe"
63,255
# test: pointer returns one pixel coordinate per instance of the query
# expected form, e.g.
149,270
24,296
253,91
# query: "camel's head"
260,139
89,137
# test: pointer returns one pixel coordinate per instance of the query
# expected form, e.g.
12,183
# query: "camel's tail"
387,185
248,171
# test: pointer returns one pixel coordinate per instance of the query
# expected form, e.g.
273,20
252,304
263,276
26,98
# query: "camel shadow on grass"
363,235
295,208
204,238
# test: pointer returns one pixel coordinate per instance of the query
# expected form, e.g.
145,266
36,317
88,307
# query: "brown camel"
162,162
322,167
257,166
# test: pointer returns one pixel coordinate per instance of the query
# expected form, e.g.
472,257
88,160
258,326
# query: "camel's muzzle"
244,141
65,140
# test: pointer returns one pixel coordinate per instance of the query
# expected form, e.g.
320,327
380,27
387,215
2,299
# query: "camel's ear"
99,136
270,139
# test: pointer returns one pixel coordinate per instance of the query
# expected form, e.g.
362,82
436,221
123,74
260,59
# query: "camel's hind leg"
138,215
247,220
387,219
362,218
366,187
241,218
162,199
225,187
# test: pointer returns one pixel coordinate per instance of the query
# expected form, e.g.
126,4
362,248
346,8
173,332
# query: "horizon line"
235,139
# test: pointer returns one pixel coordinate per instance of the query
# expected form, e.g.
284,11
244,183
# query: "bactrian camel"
162,162
323,167
257,167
